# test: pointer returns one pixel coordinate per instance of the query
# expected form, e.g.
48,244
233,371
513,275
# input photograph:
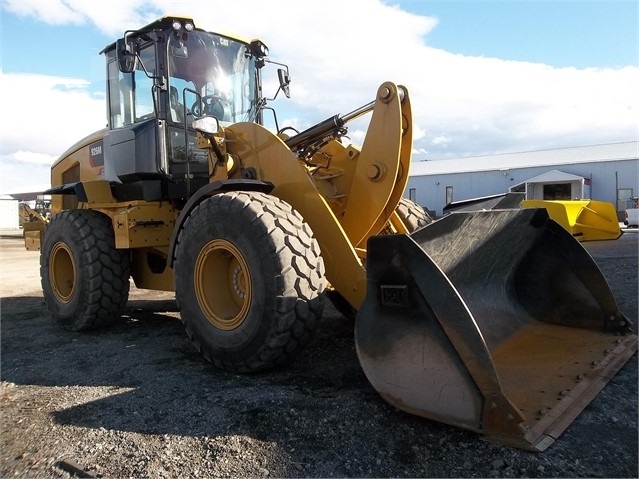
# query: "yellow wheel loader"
497,322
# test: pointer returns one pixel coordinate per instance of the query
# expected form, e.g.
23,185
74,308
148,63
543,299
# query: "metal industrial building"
607,172
9,213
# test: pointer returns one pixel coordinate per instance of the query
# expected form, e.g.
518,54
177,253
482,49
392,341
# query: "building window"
412,194
558,191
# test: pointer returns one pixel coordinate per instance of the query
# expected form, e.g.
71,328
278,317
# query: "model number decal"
96,156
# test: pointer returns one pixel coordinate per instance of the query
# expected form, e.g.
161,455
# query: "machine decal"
96,155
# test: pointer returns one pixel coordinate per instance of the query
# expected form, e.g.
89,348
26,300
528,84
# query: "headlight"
258,49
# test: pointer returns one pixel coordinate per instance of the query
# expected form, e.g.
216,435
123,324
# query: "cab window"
131,94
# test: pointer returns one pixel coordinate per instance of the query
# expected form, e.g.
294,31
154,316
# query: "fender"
211,189
91,191
76,189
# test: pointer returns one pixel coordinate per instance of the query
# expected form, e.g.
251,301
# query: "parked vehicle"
631,217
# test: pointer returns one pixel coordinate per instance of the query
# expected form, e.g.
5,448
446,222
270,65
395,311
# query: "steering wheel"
214,105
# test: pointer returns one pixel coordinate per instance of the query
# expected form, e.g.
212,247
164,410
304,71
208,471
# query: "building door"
557,191
624,197
449,195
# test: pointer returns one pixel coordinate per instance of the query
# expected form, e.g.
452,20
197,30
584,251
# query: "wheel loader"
497,321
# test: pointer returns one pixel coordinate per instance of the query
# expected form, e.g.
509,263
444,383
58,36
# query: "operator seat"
176,108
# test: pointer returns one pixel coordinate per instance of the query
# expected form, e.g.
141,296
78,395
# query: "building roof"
553,176
627,150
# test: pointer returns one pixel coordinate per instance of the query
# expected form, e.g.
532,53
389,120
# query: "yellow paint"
260,149
586,220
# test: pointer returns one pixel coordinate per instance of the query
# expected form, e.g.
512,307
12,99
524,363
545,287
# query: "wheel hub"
222,284
62,272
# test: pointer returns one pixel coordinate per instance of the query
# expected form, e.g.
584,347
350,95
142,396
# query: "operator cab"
159,79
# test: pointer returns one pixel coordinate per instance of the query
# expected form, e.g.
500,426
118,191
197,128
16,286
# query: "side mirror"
285,81
207,125
126,56
180,51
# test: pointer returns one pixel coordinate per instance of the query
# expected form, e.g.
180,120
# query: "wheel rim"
62,272
222,284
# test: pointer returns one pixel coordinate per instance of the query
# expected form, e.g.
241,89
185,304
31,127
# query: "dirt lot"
137,400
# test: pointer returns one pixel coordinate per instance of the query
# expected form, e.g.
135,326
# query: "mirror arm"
283,86
162,80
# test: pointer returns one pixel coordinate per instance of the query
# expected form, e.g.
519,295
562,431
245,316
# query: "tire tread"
104,270
300,275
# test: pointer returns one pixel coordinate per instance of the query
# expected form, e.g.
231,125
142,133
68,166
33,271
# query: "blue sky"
558,33
484,77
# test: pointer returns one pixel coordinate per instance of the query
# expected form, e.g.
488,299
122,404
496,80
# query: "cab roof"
166,22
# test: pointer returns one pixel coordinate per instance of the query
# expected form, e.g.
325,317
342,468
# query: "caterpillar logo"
394,296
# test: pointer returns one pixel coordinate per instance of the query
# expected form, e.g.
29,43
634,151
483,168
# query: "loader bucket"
496,321
586,220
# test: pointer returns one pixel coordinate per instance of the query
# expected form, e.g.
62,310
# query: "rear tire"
85,279
249,281
413,215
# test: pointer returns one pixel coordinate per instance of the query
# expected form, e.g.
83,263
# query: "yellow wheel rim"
62,272
222,284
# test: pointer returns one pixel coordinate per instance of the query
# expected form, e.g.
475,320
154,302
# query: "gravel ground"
137,400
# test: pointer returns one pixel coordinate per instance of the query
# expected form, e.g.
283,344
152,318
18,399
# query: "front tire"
85,279
249,281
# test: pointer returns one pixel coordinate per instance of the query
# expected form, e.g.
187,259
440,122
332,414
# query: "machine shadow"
159,384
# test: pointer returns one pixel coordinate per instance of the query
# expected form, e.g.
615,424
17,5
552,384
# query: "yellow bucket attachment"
496,321
586,220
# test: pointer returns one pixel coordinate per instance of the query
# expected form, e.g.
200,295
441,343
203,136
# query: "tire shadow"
160,384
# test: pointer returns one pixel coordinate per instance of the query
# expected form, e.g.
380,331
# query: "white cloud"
55,12
25,172
42,117
441,140
111,17
462,105
47,114
29,158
